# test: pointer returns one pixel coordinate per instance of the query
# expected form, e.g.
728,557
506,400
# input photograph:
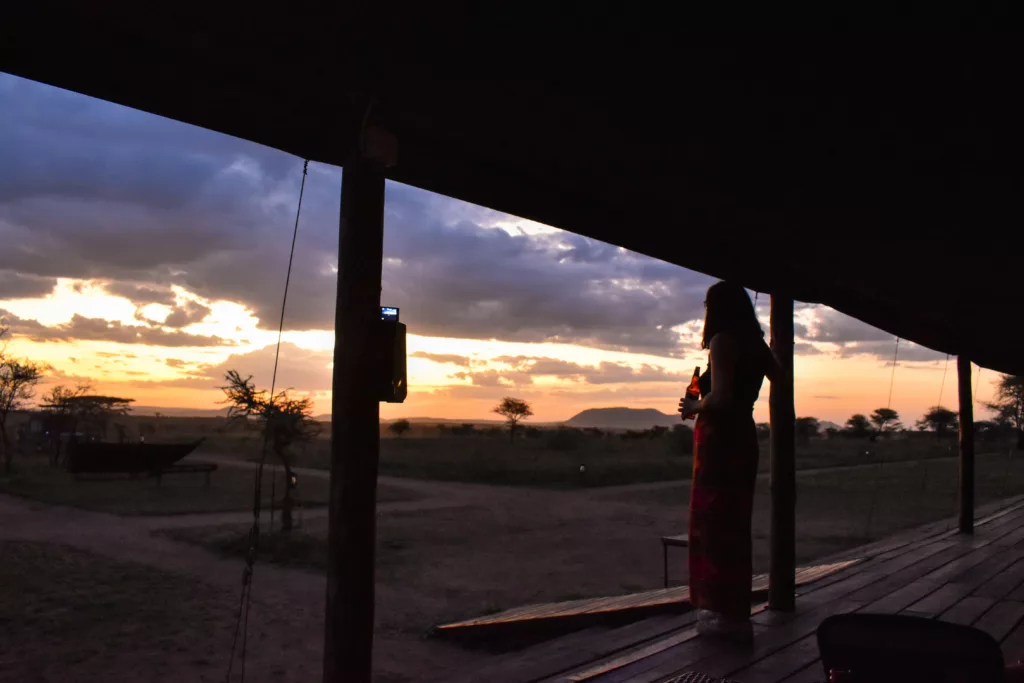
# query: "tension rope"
245,601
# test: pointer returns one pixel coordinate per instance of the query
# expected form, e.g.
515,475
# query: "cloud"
463,280
443,358
15,285
141,294
611,373
299,369
186,314
856,338
832,326
603,373
92,190
805,349
98,329
493,378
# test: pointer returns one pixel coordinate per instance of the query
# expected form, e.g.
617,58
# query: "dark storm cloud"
89,189
456,279
141,294
14,285
186,314
81,328
92,190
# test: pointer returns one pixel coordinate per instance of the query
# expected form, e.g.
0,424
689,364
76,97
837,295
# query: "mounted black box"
391,370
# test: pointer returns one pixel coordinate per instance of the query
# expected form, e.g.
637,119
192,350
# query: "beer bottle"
693,389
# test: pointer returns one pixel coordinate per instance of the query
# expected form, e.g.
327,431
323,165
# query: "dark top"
752,360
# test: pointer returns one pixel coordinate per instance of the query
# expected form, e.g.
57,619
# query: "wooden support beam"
963,373
782,570
355,435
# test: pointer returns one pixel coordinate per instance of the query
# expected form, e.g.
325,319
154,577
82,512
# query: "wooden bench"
680,541
199,468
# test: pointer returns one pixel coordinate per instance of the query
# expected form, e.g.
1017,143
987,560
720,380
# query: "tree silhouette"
1009,405
806,427
858,426
513,410
885,420
939,420
18,380
399,427
284,420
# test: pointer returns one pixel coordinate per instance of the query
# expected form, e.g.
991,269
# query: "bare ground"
89,596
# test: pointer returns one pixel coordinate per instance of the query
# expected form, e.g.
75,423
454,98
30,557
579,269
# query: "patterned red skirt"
721,504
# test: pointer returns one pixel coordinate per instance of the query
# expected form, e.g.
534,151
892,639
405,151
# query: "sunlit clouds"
149,257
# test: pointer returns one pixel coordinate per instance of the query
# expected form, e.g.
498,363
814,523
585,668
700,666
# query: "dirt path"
286,622
428,488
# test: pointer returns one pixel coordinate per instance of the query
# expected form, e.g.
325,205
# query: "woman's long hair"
729,310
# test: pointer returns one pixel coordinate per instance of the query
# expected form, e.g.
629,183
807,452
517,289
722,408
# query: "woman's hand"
688,407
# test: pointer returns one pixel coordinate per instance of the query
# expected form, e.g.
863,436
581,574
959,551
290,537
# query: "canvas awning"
881,178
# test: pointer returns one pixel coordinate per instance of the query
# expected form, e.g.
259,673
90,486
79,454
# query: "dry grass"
552,459
230,489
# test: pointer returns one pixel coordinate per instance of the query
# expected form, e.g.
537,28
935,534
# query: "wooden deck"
930,571
573,614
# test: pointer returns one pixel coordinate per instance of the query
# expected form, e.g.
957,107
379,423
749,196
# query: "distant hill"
622,418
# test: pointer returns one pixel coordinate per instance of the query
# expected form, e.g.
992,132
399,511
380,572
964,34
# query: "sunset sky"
149,257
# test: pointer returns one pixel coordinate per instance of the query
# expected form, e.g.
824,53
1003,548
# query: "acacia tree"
939,420
885,420
284,421
806,427
18,380
513,410
858,426
1009,405
60,403
399,427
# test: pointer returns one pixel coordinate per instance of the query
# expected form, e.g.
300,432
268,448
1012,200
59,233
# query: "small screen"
389,313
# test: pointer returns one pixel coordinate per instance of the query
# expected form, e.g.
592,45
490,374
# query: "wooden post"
355,425
963,373
782,571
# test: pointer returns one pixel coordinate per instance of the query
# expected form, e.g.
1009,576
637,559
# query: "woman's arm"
723,366
774,368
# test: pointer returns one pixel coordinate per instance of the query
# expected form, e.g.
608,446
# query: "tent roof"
881,179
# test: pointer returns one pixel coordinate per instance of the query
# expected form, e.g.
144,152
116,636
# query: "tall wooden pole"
963,373
782,571
355,428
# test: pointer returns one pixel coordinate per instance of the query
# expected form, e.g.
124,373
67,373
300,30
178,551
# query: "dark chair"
885,648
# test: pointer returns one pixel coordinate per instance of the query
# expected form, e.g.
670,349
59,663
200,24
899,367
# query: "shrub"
565,439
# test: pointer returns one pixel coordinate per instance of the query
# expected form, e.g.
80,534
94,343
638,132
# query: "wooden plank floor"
651,600
931,571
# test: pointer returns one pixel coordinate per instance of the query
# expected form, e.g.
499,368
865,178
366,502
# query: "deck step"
571,615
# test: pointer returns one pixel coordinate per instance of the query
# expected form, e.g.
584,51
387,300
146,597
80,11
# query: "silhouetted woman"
725,462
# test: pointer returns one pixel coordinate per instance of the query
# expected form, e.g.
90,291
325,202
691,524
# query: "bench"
680,541
199,468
